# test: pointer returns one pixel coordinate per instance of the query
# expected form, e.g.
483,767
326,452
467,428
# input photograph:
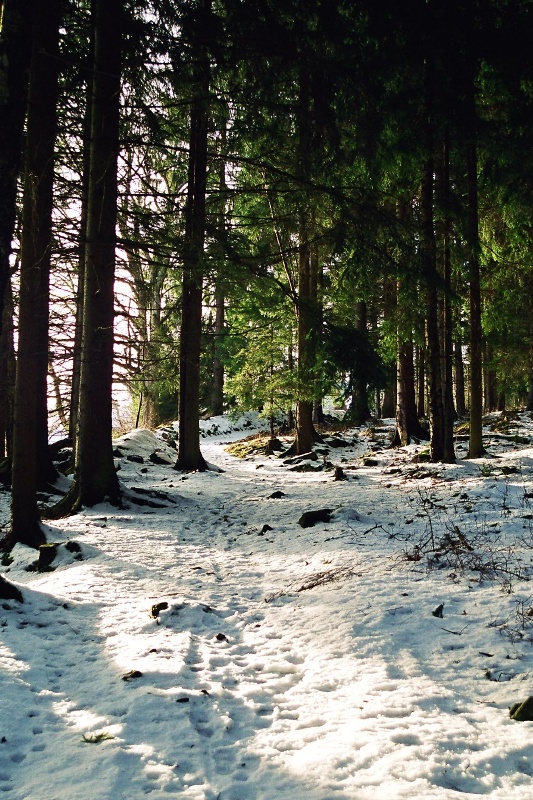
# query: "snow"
208,647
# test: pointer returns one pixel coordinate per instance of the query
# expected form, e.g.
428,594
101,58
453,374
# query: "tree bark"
420,382
436,410
95,475
217,393
407,422
304,404
217,390
31,461
7,378
460,400
305,432
189,455
15,56
443,177
359,411
82,257
475,446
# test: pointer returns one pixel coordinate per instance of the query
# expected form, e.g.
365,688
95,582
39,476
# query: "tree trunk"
490,381
443,177
475,448
460,400
15,55
7,378
82,258
436,410
316,287
388,405
420,382
217,393
359,411
390,304
96,479
217,390
291,423
30,439
305,432
529,402
304,405
407,422
189,455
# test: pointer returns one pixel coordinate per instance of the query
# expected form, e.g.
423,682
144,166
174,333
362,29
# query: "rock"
160,458
339,474
438,612
265,529
133,673
47,553
273,446
311,456
135,458
422,458
157,608
336,441
306,466
9,592
310,518
277,495
522,712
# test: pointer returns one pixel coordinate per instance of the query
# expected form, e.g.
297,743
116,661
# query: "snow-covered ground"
209,647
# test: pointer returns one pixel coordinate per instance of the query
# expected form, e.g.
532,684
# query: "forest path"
288,662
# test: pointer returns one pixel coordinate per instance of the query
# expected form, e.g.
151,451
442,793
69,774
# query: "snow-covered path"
343,685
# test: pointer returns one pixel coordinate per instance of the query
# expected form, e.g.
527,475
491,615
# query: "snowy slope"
209,647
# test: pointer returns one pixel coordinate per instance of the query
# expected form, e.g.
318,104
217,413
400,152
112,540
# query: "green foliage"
350,356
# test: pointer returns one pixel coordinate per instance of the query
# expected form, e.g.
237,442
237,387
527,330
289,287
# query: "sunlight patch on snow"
10,663
79,719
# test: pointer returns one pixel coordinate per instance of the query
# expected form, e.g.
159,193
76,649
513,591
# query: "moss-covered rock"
522,712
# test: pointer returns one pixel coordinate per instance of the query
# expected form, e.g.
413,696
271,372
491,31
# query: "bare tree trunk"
291,424
489,379
15,55
217,391
95,475
316,286
217,394
30,439
388,406
420,382
460,400
475,447
447,338
304,405
436,410
359,411
189,455
7,378
82,255
529,402
305,432
407,422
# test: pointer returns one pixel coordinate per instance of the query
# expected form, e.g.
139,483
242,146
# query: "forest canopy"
225,206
